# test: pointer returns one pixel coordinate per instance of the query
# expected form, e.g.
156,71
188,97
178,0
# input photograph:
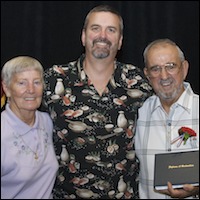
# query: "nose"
103,33
30,88
163,73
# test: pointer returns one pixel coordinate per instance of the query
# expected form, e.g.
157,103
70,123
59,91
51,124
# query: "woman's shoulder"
45,121
44,116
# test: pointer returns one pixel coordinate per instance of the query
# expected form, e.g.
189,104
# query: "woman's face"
25,91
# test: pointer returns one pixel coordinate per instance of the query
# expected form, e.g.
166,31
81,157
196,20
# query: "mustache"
169,80
104,40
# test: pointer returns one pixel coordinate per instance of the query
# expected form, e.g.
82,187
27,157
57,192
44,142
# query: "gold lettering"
180,166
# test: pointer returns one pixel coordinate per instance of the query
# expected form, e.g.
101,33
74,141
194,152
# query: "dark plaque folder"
178,168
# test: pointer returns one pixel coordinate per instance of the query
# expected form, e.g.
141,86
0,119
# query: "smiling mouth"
102,44
166,83
30,98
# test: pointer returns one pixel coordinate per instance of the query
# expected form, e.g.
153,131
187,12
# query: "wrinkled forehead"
104,18
162,46
162,53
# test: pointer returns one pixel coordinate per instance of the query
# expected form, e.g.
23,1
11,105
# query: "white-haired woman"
28,160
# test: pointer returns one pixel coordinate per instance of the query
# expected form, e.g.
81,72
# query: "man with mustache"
165,119
93,102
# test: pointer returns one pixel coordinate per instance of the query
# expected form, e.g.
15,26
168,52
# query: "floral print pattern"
38,136
93,134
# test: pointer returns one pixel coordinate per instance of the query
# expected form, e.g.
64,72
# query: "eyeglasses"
171,68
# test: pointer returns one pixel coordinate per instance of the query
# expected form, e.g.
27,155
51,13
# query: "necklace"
34,152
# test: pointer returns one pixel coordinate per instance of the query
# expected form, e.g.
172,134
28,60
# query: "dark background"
50,30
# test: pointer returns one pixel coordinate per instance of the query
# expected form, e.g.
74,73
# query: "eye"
95,28
38,82
111,29
155,69
22,83
171,66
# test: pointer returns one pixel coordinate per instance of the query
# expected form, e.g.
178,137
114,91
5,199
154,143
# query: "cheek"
178,81
154,82
16,93
39,91
178,78
88,41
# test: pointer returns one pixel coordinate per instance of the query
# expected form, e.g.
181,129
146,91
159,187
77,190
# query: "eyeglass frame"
168,66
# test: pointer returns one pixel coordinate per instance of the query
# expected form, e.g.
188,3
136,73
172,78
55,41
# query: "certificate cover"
178,168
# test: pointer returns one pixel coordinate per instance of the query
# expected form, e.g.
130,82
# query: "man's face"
102,37
166,72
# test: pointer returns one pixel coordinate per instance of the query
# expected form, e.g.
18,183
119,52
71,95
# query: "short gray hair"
162,41
20,64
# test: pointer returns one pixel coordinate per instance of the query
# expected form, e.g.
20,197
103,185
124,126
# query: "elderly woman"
28,161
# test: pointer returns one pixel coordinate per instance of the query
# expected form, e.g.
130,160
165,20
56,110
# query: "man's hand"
187,191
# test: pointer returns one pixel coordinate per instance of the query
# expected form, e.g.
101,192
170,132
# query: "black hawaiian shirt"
93,135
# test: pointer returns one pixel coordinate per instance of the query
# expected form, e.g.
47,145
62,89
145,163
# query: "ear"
146,73
83,37
185,66
120,42
6,89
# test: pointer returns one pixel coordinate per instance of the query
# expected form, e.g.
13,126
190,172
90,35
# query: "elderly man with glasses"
173,107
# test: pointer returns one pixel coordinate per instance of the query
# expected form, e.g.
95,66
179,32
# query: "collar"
184,101
20,127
